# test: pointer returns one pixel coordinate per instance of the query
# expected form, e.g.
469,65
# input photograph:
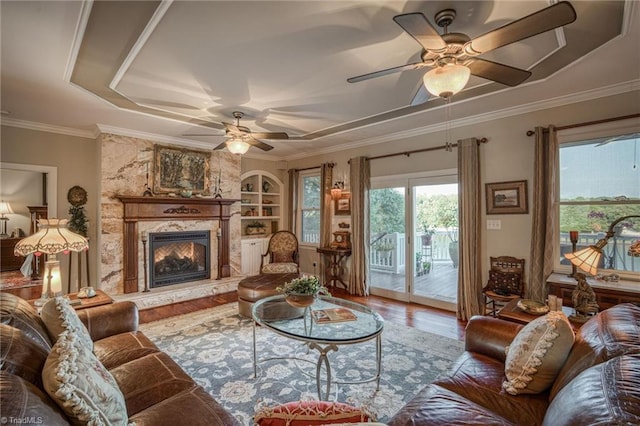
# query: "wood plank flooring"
424,318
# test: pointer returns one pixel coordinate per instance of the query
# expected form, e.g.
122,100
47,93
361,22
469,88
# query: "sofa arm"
109,320
490,336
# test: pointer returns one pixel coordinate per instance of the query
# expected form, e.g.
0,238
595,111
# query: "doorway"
413,239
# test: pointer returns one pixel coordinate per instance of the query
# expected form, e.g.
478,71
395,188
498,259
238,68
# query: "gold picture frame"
179,169
342,206
507,197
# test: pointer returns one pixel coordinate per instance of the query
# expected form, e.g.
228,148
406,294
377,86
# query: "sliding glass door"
413,239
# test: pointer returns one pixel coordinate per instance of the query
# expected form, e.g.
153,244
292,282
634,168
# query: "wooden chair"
282,253
506,282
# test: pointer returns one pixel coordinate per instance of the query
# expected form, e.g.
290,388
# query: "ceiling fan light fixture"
447,79
237,146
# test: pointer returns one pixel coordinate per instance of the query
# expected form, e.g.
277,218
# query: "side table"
511,312
101,298
336,256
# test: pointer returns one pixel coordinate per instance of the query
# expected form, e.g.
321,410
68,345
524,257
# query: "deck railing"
614,254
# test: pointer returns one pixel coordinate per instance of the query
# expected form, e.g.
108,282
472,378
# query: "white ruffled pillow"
81,386
537,354
58,315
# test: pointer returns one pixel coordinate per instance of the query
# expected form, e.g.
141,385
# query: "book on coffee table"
332,315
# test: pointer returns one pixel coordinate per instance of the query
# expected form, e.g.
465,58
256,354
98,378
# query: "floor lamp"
52,238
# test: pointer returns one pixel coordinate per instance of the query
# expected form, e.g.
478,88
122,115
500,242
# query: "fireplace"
178,257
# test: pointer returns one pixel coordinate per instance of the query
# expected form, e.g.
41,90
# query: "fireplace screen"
178,257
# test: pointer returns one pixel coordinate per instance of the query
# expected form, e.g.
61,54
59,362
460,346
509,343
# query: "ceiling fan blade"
269,135
376,74
418,27
539,22
223,145
202,134
259,144
505,74
421,96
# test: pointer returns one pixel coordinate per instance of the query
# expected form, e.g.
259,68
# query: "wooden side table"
511,312
101,298
336,256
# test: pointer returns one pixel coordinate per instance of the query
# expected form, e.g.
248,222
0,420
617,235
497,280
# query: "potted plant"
419,264
427,235
301,292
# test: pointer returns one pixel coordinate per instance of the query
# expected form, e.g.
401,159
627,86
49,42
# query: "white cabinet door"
252,250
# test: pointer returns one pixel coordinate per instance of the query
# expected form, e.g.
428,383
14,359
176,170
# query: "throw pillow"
76,380
537,354
306,413
283,256
506,281
58,316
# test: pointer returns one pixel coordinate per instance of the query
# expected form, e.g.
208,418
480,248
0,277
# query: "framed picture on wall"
507,197
177,169
342,206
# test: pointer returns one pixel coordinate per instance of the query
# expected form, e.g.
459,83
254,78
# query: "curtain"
292,202
469,245
359,177
543,211
326,178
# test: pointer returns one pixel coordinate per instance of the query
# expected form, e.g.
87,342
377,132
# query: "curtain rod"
314,167
415,151
588,123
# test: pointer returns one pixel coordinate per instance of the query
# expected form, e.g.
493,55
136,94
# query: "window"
599,183
309,187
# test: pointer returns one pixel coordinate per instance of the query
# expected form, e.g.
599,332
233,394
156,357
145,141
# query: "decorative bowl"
532,307
298,300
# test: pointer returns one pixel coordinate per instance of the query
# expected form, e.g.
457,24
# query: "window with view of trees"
310,207
599,183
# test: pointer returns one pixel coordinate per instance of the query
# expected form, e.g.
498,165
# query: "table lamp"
588,259
5,208
52,238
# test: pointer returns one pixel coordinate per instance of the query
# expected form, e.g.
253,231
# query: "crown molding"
43,127
601,92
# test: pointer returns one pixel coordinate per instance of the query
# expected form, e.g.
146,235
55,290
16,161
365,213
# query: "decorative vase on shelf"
266,186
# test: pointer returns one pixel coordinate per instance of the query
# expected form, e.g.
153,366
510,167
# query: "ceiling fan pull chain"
447,107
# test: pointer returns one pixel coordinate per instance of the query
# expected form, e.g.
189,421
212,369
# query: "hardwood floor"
431,320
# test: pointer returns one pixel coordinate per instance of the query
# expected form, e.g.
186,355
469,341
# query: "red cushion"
303,413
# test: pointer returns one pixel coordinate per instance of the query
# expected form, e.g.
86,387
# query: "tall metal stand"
144,257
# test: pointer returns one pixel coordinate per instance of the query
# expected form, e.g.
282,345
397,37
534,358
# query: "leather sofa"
598,384
156,390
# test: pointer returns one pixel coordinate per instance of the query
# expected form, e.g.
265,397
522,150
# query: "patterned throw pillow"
76,380
506,281
307,413
537,354
58,316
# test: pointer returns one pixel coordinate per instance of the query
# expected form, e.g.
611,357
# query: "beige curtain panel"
359,177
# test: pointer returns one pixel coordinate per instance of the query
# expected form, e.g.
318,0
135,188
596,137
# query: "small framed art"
342,206
507,197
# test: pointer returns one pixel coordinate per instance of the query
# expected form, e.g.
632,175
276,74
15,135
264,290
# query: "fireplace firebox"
179,257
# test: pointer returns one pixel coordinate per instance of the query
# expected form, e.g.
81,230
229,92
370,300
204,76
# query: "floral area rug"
215,347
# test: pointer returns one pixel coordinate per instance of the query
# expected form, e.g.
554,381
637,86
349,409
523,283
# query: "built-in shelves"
261,203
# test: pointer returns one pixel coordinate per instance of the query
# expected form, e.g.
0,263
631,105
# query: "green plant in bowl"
300,292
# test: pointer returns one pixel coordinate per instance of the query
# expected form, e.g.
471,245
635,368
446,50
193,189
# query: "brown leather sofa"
156,390
598,384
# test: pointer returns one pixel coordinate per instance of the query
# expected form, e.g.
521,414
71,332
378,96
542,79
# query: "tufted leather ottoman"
256,287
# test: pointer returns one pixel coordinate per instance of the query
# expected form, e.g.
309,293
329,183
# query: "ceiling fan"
240,138
454,56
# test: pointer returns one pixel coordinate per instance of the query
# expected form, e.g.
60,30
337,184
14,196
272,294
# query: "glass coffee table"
275,314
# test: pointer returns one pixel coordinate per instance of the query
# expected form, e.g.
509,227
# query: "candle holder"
573,237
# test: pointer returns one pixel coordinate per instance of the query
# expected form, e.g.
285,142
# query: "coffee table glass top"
276,314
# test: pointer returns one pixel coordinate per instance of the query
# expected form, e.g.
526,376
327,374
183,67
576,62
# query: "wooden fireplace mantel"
138,209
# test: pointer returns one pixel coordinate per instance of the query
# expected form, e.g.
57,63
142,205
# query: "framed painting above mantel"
177,170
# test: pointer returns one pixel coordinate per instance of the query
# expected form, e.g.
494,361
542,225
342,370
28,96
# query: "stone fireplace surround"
124,162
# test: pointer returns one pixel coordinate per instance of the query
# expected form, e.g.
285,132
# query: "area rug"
215,347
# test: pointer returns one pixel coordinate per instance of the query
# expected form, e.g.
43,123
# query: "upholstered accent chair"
506,282
282,254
